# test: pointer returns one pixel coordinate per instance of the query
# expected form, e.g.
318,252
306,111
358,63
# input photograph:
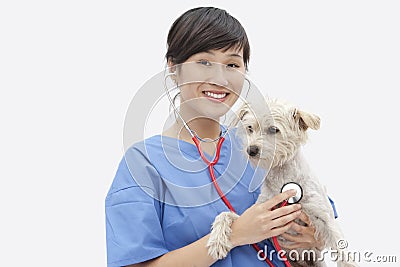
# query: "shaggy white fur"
218,243
273,142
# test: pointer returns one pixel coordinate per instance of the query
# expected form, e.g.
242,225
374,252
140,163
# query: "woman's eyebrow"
228,55
208,52
234,55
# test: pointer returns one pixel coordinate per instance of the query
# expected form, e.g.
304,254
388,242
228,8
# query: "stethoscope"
210,165
292,200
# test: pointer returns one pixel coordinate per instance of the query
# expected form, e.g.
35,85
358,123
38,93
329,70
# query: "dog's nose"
252,150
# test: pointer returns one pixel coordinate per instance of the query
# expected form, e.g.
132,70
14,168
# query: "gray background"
69,69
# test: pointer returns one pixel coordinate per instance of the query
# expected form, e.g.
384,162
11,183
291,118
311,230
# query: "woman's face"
210,82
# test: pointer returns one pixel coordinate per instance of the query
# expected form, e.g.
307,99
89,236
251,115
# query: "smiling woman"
161,204
216,76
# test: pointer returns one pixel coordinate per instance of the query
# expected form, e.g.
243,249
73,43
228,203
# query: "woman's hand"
304,237
260,222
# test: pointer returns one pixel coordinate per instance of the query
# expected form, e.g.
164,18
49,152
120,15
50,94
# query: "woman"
150,220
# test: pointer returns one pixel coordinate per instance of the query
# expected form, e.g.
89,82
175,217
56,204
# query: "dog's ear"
244,109
307,120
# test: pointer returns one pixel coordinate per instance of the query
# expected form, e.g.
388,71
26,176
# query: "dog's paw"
349,263
218,243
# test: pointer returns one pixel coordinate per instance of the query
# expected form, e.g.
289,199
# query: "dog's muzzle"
253,151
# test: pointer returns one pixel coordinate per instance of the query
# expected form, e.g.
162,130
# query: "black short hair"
202,29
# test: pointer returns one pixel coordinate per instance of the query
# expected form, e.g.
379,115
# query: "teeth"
213,95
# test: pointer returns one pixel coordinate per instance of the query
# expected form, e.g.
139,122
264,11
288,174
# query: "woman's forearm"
194,254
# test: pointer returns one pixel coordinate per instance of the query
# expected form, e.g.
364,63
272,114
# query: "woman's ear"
172,70
171,65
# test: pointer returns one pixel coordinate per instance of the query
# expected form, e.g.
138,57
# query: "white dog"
273,142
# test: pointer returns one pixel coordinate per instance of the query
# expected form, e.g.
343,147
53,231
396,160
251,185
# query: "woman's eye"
204,62
233,65
250,129
273,130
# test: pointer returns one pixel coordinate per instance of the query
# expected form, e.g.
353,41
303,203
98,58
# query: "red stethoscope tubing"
276,243
210,165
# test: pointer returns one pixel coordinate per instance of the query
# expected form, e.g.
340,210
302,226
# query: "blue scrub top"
162,199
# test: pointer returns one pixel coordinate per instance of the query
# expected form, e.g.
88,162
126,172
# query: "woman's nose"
219,75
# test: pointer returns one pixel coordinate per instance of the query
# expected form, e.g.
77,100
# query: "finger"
269,204
291,238
276,213
295,245
280,230
304,217
281,221
300,229
298,238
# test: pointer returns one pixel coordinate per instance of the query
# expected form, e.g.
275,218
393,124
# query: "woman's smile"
215,95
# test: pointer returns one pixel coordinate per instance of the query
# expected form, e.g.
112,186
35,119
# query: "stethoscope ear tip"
299,192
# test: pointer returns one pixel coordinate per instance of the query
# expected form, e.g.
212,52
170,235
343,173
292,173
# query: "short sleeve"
133,229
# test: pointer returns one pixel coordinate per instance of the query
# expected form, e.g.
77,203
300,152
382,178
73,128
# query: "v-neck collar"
191,150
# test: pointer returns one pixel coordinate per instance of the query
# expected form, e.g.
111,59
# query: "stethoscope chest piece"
295,186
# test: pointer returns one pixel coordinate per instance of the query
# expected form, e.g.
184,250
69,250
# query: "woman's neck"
203,128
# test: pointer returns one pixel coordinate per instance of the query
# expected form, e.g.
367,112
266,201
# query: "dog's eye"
250,129
273,130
